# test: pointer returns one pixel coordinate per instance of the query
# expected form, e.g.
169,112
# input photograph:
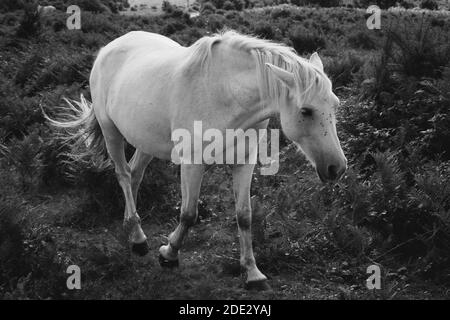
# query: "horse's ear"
316,61
284,76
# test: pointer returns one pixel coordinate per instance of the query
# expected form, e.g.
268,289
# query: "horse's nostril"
332,172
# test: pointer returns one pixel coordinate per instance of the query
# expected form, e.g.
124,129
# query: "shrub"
299,3
306,41
173,27
25,156
30,66
95,6
239,4
228,5
208,8
410,52
216,22
17,114
10,5
383,4
429,4
406,4
282,12
264,30
51,156
325,3
342,68
421,51
27,257
361,39
12,252
30,24
98,23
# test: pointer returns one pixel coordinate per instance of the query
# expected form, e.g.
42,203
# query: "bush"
280,13
325,3
383,4
25,156
363,40
228,5
11,5
410,52
408,217
99,23
173,27
264,30
299,3
429,4
12,238
17,114
27,257
95,6
208,8
306,41
216,22
30,24
422,51
406,4
342,68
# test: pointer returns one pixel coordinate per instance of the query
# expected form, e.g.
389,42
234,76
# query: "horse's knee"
247,262
244,218
188,215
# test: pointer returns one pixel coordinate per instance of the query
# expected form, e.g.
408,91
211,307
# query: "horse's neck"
236,72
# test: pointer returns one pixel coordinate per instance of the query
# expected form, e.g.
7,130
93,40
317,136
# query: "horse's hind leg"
191,179
115,145
138,163
242,177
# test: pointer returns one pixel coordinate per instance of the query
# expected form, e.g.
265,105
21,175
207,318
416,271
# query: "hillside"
314,241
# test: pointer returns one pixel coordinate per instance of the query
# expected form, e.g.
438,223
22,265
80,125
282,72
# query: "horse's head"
309,118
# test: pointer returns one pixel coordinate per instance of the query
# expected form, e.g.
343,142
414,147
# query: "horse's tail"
81,134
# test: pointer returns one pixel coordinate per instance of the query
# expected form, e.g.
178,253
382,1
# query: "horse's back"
141,39
123,58
122,49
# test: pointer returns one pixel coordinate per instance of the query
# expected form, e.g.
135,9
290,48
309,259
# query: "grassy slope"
301,261
310,268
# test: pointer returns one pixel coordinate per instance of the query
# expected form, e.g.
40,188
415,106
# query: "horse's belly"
144,127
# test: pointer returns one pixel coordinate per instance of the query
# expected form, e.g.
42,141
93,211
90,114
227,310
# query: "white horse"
144,86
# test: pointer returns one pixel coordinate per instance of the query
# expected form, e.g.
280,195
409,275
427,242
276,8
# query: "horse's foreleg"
115,145
242,177
191,179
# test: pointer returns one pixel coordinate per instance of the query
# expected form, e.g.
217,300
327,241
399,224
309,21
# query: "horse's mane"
310,80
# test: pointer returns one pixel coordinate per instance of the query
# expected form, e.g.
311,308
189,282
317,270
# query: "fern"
390,174
25,156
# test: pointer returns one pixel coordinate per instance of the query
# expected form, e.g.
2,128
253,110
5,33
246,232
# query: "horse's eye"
307,112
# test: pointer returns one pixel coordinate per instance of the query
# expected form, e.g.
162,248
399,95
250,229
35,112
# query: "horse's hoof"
141,249
258,285
170,264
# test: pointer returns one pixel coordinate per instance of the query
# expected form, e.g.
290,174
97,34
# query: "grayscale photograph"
247,152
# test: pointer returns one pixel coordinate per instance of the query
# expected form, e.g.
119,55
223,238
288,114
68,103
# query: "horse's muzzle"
332,172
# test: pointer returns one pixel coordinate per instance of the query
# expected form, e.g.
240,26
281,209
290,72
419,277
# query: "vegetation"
392,208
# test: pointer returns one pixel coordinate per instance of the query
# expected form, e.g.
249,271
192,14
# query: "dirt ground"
209,264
